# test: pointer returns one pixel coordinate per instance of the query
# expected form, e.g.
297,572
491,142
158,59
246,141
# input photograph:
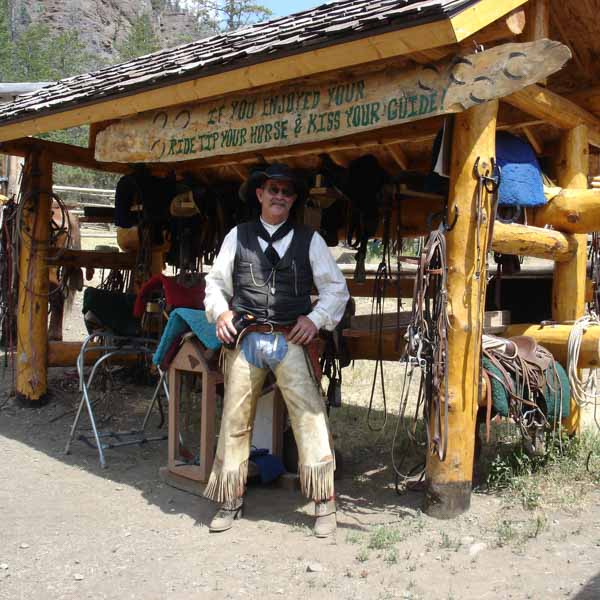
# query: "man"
267,269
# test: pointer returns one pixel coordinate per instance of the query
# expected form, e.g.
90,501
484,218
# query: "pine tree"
228,15
239,13
30,59
68,56
142,39
5,40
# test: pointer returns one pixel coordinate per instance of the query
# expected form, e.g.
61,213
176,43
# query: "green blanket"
550,403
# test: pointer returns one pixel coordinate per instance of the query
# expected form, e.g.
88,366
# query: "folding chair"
111,345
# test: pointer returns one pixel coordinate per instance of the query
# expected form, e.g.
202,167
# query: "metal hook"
443,215
478,47
445,222
489,178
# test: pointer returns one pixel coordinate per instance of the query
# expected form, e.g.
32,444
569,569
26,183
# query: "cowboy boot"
227,513
325,522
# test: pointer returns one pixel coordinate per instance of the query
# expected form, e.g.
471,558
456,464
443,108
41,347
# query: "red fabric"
177,295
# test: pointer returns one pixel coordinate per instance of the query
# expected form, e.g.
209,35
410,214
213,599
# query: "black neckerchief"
262,233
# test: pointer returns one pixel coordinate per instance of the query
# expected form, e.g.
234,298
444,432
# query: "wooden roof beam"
555,110
64,154
476,18
535,142
398,154
588,99
506,27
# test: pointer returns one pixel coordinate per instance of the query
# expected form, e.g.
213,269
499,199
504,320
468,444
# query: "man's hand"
303,332
225,330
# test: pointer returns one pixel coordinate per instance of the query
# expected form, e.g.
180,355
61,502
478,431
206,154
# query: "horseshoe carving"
475,98
507,72
459,60
187,115
155,144
160,115
422,85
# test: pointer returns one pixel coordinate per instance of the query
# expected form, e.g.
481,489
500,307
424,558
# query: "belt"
268,328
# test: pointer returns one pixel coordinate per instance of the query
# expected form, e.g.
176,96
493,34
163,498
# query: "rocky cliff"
103,24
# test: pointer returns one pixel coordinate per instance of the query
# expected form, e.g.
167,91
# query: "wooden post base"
447,500
24,402
185,484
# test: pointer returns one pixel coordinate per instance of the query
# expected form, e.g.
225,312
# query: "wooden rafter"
555,110
398,155
535,142
581,62
588,99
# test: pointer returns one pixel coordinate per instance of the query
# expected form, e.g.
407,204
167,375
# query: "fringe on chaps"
226,486
316,481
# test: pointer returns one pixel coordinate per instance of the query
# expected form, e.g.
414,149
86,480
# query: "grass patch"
363,555
384,538
561,478
517,533
353,537
447,543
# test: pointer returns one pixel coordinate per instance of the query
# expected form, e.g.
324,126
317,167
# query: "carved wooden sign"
309,113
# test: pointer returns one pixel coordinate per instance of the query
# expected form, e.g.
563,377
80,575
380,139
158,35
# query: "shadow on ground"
365,491
590,591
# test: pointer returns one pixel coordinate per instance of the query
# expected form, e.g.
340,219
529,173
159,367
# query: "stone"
475,549
314,567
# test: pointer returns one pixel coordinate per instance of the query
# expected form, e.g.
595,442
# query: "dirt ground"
70,530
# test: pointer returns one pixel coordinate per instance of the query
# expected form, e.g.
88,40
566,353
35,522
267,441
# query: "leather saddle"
522,364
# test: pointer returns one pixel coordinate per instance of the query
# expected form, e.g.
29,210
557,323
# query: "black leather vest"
279,294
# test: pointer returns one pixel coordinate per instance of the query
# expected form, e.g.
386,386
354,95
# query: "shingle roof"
324,25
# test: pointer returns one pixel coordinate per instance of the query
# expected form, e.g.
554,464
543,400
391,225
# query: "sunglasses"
276,190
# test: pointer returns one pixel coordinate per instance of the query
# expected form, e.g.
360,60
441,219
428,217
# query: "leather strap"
488,404
268,328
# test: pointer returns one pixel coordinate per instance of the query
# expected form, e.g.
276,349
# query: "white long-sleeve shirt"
327,277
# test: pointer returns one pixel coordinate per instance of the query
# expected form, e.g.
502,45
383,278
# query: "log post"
572,211
449,481
568,289
32,307
537,23
524,240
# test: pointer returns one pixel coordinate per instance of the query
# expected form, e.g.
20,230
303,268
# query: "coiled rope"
583,390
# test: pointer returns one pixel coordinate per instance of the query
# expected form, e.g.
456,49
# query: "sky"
286,7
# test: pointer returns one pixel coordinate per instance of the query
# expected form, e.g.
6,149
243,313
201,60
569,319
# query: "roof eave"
303,62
